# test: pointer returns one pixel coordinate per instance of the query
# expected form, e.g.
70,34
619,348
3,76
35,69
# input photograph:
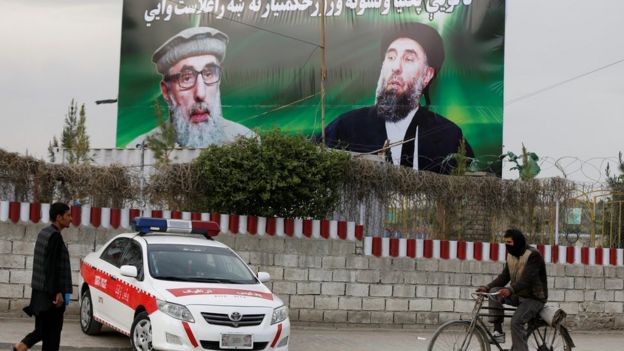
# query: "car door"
131,291
106,285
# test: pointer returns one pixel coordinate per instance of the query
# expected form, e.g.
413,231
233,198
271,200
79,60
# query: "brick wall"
330,283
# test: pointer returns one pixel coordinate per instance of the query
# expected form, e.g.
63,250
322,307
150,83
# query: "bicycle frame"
477,322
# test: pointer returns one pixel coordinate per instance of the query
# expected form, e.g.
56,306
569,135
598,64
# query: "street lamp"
105,101
142,146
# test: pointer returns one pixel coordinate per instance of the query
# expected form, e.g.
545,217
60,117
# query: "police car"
168,290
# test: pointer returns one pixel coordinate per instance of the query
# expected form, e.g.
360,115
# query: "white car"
170,291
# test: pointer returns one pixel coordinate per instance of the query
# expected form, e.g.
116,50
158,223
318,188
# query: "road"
302,338
309,339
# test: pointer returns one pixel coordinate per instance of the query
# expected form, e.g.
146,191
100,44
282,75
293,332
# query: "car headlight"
176,311
279,314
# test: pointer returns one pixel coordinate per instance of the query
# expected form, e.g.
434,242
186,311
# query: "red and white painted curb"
487,252
26,212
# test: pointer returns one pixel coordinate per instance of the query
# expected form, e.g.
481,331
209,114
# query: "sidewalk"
13,329
303,338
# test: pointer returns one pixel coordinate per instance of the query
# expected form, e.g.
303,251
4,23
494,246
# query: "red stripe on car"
277,335
189,333
219,291
118,289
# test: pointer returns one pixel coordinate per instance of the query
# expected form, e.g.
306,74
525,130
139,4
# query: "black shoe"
499,337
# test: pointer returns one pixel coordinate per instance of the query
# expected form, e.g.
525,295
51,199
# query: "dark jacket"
363,131
51,270
531,283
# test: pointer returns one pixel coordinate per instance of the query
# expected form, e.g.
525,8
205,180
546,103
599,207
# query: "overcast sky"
53,51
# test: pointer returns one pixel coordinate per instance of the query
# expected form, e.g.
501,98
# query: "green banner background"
272,65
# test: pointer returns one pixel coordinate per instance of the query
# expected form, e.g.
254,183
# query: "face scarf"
519,246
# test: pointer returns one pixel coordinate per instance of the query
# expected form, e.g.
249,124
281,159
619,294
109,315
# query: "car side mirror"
129,271
264,277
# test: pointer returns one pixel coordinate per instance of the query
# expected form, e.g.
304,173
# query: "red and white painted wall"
481,251
115,218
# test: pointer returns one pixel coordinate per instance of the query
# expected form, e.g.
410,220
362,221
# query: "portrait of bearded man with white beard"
190,63
418,138
198,132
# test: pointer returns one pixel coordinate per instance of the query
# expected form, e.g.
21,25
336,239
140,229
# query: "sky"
564,63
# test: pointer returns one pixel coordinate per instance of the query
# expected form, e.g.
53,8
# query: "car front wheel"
88,325
141,332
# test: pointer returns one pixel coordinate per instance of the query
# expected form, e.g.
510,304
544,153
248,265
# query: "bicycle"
473,334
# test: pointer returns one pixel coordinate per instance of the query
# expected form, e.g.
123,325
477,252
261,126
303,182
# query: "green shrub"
274,175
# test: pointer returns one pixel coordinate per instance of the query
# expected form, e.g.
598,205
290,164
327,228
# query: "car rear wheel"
141,332
88,325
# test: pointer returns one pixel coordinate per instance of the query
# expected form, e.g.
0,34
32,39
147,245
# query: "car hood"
189,293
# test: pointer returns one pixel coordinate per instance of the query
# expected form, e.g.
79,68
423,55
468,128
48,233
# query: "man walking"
51,283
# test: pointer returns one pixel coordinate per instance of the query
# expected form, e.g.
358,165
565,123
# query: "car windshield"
194,263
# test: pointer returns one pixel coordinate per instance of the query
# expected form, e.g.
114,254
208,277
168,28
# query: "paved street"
307,339
303,338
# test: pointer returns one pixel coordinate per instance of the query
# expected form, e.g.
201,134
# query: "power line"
550,87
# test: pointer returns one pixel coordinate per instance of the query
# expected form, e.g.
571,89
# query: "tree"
616,182
164,140
74,138
458,160
51,146
616,185
81,140
69,131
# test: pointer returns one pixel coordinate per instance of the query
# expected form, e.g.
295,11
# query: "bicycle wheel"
451,335
545,338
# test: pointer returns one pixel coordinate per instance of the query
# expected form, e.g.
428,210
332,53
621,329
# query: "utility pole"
323,71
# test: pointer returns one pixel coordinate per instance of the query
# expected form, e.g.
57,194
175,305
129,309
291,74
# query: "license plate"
236,341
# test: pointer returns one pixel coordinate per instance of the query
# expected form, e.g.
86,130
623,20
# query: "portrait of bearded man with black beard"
417,137
393,105
190,63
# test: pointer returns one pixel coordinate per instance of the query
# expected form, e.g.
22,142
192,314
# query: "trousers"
527,309
48,326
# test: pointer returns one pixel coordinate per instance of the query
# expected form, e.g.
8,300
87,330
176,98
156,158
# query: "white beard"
198,135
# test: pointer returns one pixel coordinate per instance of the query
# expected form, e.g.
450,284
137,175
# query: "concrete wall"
330,283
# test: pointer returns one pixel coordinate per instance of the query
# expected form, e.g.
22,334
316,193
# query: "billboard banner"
415,80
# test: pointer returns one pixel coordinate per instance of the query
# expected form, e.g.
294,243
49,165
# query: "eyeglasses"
211,74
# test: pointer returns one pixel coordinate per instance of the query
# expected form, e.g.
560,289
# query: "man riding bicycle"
525,271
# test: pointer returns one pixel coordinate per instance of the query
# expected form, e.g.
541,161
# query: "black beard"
392,107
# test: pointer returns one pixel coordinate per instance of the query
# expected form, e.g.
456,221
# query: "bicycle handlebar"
477,294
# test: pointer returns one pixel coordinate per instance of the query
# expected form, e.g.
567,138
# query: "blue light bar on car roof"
147,224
